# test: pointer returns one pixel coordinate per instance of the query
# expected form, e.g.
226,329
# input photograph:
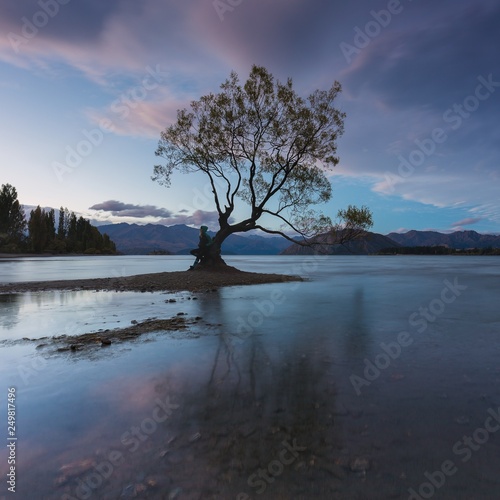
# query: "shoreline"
10,256
174,281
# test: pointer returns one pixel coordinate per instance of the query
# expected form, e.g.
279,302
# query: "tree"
38,231
61,225
12,220
263,145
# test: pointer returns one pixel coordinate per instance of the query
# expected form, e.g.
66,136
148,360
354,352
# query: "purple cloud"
467,222
120,209
197,218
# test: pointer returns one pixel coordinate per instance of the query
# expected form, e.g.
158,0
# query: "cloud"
430,63
396,90
105,41
467,222
129,212
119,209
135,113
197,218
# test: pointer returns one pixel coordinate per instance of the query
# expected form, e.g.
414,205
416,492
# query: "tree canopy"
12,220
74,234
266,153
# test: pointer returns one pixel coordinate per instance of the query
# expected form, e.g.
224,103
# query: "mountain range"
180,239
461,240
324,244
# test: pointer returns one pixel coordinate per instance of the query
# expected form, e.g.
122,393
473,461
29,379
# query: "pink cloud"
466,222
140,118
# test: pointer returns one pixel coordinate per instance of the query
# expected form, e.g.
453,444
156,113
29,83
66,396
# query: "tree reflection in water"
235,424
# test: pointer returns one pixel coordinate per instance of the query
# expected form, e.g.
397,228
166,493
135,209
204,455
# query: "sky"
87,87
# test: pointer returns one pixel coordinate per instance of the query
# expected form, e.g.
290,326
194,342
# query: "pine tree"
37,227
12,220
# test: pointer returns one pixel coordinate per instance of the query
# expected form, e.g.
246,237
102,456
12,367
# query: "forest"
40,234
438,250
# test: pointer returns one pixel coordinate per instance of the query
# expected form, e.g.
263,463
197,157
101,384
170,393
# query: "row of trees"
41,235
439,250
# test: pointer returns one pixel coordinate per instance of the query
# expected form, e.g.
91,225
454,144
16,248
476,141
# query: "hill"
180,239
461,240
371,243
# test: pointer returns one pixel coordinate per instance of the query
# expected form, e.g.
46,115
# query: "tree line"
40,234
438,250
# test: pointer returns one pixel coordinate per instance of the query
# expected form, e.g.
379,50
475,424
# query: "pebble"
151,482
139,488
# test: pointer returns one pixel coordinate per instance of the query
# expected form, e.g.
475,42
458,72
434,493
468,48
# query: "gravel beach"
197,280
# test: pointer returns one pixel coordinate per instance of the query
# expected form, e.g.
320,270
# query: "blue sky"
86,88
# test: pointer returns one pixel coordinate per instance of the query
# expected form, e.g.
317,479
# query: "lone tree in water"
265,151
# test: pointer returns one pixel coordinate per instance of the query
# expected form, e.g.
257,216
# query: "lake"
377,377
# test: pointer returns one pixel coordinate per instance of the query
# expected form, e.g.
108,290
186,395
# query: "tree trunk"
212,260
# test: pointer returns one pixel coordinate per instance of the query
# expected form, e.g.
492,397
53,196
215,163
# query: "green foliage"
74,235
38,230
353,223
261,143
12,220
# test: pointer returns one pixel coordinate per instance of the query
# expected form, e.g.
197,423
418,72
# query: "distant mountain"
459,239
371,243
180,239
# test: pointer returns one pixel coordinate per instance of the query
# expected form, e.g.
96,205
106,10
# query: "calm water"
375,378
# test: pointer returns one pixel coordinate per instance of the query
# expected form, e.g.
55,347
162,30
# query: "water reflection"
236,414
10,304
357,331
242,403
